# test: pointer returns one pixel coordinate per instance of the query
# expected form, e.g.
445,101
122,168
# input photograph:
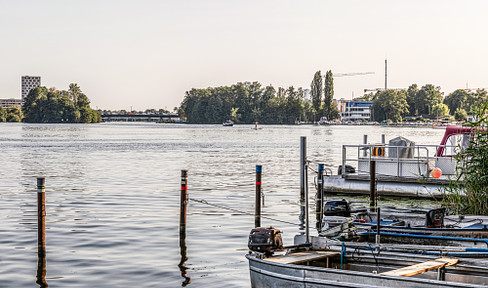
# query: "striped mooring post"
183,200
41,216
257,212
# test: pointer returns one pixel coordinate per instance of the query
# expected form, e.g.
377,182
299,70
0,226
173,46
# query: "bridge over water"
162,118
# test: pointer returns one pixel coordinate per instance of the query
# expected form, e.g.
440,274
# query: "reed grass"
468,190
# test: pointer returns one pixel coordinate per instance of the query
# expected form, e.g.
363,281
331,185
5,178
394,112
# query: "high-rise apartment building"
29,83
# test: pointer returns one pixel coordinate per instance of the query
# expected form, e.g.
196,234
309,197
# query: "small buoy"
436,172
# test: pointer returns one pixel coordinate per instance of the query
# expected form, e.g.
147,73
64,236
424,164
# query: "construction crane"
351,74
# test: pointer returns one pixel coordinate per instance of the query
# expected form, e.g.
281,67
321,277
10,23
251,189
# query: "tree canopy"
44,105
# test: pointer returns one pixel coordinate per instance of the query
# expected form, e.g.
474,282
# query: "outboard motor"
349,169
265,240
337,208
435,218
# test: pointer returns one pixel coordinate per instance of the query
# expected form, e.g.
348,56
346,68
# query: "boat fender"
379,151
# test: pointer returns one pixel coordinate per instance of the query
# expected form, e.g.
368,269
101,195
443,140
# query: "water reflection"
41,270
184,258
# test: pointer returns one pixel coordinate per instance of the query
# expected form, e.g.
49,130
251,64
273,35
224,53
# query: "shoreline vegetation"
250,102
44,105
468,190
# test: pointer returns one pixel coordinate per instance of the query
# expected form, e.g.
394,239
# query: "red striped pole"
257,214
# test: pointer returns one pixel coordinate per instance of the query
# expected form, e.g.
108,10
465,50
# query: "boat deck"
302,257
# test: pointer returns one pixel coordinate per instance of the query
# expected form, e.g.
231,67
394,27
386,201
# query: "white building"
6,103
355,110
29,83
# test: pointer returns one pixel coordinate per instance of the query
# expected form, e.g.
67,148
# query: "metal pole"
303,159
41,216
378,220
319,197
365,142
183,201
372,185
383,141
257,214
307,221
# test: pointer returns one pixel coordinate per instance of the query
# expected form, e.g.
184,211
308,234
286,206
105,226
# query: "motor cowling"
435,218
337,208
265,239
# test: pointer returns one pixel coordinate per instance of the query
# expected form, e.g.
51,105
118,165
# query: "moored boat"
363,268
402,167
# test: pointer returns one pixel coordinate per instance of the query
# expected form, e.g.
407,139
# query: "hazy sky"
146,54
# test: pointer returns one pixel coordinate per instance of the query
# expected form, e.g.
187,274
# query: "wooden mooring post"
41,232
257,211
372,186
41,216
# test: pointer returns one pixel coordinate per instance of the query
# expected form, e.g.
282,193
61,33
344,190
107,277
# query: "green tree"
14,114
440,110
316,90
457,100
74,91
3,115
53,106
460,114
393,104
413,106
328,94
427,97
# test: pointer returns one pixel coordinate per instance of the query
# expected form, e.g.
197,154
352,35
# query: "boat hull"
338,184
270,274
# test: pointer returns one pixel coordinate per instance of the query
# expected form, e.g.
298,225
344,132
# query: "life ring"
379,151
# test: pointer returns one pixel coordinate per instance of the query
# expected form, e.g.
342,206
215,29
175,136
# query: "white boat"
228,123
402,167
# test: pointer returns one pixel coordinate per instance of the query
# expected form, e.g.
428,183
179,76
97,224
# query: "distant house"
354,110
6,103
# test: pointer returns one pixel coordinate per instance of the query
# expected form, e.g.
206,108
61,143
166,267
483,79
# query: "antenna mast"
386,74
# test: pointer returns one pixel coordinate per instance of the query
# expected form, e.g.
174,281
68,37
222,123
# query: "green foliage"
329,96
11,114
390,104
316,90
427,97
468,193
440,110
460,114
245,103
3,115
51,106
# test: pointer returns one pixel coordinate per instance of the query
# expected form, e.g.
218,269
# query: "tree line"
249,102
396,104
44,105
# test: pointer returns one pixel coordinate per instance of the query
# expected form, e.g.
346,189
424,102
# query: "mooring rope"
240,211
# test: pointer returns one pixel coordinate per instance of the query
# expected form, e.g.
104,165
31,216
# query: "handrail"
421,154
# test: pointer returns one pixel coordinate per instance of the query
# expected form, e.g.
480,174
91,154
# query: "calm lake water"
112,197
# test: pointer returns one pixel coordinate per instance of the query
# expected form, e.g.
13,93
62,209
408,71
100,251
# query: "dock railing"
400,161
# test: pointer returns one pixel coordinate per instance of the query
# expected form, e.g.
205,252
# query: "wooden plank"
422,267
304,256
